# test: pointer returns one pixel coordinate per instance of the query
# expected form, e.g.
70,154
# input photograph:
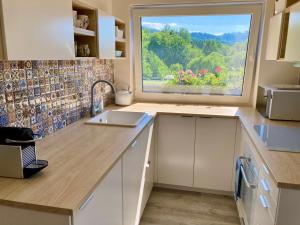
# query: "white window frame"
253,8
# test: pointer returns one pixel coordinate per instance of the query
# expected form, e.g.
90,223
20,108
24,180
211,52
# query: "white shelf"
84,32
121,40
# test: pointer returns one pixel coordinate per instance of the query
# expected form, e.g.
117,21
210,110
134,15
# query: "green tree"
171,46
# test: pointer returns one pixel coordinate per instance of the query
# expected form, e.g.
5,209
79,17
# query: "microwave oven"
279,102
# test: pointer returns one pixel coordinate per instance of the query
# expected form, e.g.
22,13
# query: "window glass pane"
195,54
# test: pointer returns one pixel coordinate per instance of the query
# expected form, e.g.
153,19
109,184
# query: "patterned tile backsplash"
49,95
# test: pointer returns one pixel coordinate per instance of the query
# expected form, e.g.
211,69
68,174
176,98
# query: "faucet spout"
92,112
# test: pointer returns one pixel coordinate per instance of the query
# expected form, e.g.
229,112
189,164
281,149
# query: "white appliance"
279,102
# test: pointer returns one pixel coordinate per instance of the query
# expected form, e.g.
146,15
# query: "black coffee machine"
18,153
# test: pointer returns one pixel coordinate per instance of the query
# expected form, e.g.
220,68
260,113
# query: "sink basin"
118,118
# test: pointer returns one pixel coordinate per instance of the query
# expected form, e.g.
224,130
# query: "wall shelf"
86,36
122,40
84,32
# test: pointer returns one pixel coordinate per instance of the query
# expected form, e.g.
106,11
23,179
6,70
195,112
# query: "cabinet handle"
148,164
264,202
87,201
133,145
265,185
265,169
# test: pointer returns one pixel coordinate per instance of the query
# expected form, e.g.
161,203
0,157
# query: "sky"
216,24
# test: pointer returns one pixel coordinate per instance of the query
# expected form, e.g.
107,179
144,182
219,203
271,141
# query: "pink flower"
203,72
218,69
181,72
189,72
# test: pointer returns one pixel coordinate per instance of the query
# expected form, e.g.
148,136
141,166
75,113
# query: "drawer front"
269,186
266,201
262,216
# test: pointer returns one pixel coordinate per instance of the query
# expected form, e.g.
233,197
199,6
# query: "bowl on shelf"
120,34
119,53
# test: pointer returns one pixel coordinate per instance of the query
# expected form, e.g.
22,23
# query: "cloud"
157,26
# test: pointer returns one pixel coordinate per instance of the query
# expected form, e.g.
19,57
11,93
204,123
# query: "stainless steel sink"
118,118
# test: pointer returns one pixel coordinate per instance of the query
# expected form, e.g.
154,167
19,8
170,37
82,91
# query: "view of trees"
174,57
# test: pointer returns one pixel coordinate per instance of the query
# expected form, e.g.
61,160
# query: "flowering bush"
203,78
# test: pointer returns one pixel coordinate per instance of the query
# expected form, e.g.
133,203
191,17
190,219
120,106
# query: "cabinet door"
133,169
292,44
274,37
38,30
107,40
104,206
214,153
261,215
176,137
149,174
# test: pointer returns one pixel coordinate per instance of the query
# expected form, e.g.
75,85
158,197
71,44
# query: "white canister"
124,98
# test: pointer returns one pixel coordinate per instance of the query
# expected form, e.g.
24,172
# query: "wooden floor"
172,207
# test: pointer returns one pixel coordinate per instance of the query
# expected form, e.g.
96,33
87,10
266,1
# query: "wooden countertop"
80,155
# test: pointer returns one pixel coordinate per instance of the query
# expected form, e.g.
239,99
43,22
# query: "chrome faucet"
93,111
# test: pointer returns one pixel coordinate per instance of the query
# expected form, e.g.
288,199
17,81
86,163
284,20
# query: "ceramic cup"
85,21
79,23
84,50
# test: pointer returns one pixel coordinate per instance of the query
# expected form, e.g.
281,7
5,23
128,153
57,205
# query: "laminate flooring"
174,207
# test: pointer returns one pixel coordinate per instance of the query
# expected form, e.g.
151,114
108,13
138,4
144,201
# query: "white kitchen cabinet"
108,42
37,30
149,173
104,206
292,52
214,153
262,216
175,146
106,33
133,171
274,45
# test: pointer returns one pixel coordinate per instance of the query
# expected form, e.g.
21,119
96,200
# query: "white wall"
105,5
267,71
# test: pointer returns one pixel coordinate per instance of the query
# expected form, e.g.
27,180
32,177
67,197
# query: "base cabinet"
175,146
133,171
214,153
104,206
117,200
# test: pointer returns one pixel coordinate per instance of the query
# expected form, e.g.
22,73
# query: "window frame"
253,8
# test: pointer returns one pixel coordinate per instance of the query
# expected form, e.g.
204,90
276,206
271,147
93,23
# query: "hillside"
227,38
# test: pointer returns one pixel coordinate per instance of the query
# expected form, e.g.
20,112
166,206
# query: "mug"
79,23
84,50
85,21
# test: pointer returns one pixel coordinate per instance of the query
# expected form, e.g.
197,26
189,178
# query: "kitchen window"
195,53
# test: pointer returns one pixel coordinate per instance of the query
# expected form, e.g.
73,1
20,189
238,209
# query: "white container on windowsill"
124,97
